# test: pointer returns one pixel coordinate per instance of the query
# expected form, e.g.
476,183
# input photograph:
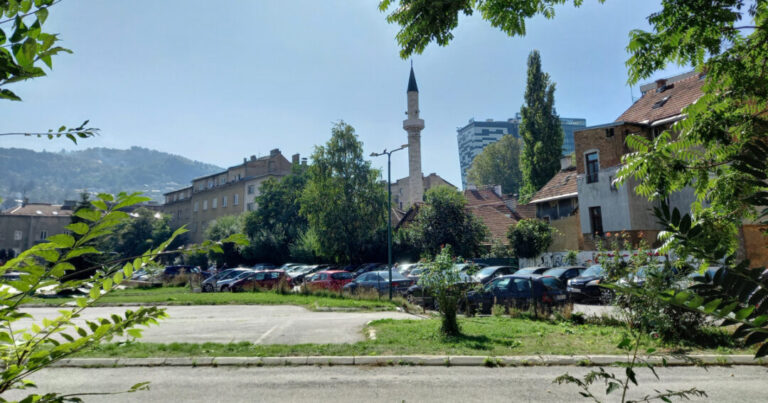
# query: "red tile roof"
678,95
562,185
526,210
490,208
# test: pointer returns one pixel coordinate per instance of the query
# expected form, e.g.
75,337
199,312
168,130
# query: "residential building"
476,135
231,192
557,202
607,207
23,226
491,207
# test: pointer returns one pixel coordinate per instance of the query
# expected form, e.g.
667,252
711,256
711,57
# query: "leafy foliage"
440,278
530,237
24,351
498,164
540,130
425,21
442,220
277,223
223,228
343,201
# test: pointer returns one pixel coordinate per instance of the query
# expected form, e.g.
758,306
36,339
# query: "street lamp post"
389,208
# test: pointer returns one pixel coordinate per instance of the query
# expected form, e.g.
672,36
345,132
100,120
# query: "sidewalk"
409,360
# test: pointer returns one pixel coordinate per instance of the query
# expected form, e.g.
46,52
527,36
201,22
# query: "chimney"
661,82
304,161
295,158
566,162
253,158
511,202
25,201
274,153
497,190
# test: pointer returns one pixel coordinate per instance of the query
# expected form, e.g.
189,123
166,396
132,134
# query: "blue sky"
220,83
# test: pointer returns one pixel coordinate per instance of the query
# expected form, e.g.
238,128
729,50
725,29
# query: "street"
261,324
383,384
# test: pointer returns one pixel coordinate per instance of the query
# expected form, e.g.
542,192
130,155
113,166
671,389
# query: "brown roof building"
557,202
490,207
23,226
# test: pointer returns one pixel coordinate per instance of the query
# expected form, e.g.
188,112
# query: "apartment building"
231,192
23,226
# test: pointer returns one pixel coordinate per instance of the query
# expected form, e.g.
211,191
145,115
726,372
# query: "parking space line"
264,336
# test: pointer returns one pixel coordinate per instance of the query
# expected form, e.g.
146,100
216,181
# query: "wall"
614,204
569,236
756,245
31,227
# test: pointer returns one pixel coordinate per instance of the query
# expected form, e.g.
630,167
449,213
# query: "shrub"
440,277
530,237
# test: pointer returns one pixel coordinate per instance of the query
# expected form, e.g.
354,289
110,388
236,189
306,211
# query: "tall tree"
442,220
277,223
540,129
343,201
220,229
498,164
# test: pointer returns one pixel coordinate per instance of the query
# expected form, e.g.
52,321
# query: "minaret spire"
414,125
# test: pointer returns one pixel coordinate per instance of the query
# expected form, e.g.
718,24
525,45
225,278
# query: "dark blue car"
379,280
518,291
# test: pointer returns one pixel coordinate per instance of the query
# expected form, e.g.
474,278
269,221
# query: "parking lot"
261,324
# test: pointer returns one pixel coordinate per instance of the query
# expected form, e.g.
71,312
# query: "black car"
379,280
565,273
172,271
489,273
532,270
586,287
518,291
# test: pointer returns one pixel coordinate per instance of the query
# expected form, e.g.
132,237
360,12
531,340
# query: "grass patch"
183,296
484,336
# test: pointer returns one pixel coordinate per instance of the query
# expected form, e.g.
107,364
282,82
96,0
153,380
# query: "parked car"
227,283
298,276
368,267
532,270
260,280
379,280
489,273
586,287
416,294
565,273
332,280
518,291
170,272
263,266
211,283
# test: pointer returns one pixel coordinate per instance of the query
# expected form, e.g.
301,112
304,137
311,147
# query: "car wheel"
224,288
207,288
606,296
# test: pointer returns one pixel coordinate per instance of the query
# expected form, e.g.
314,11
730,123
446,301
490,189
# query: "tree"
221,229
343,201
530,237
440,278
540,129
443,220
277,223
22,53
143,229
498,164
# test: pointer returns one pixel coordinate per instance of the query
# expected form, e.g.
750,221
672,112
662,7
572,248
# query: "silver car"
211,284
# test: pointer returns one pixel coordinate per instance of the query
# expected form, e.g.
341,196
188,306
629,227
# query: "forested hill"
57,176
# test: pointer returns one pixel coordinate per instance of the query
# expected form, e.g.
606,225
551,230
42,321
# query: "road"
382,384
261,324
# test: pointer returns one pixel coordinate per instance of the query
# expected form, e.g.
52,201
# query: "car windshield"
501,283
593,271
555,272
385,276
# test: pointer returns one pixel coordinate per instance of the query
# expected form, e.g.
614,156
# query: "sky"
220,81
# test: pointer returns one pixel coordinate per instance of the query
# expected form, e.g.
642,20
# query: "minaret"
413,125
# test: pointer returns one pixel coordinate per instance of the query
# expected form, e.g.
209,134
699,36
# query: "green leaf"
78,228
107,284
8,94
94,292
81,302
744,313
712,305
42,15
62,241
81,332
88,214
631,375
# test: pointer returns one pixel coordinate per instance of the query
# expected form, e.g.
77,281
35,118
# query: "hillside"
55,177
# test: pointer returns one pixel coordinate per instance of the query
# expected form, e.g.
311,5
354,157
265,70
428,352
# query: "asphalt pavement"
383,384
261,324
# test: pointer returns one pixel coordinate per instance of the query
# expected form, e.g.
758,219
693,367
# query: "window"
251,206
593,167
236,199
251,189
224,201
214,202
205,205
196,207
43,234
210,183
596,220
17,235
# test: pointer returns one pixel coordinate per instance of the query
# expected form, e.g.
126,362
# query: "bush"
440,278
530,237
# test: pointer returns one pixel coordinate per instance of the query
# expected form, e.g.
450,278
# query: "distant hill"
55,177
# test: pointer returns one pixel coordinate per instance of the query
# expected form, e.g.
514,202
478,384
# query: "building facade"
26,225
557,202
607,207
476,135
231,192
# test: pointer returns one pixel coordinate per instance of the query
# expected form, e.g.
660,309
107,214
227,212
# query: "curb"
407,360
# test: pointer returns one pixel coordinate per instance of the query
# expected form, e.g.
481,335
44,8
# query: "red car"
332,280
262,280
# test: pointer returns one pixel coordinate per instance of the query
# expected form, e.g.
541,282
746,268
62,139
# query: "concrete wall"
569,236
613,203
31,228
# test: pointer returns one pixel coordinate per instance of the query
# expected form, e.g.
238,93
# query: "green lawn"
486,336
182,296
